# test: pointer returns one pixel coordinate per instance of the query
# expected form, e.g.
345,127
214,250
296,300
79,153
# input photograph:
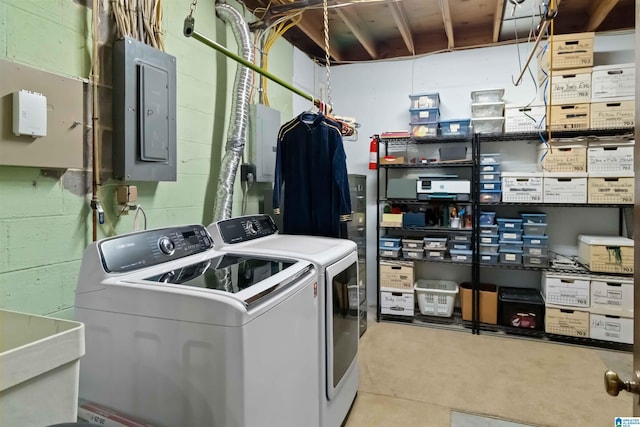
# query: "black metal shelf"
442,139
558,205
433,165
441,261
454,322
414,201
580,270
431,229
556,134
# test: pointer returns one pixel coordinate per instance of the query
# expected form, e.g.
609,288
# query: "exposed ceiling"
365,30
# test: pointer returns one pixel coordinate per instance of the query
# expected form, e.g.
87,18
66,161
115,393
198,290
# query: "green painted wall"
44,226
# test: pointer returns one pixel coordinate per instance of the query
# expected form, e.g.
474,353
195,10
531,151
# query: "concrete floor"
417,376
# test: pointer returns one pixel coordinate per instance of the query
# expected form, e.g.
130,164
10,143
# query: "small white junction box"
29,114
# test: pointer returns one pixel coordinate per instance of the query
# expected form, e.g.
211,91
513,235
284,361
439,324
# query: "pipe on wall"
236,134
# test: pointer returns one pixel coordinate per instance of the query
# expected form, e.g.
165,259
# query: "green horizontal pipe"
220,48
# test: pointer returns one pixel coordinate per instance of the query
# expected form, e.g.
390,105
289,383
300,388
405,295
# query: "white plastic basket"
436,297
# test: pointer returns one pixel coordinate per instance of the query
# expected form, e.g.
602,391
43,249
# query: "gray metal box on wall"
264,125
144,112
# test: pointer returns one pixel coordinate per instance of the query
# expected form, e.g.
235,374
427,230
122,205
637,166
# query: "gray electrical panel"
264,125
144,112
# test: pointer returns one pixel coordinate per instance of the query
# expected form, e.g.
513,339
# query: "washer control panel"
244,228
146,248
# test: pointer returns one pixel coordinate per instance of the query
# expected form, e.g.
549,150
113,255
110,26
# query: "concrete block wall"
45,219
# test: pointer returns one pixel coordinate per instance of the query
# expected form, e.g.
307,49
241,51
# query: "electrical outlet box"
248,172
127,194
29,114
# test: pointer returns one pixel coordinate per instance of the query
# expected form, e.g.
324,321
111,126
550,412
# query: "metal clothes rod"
189,31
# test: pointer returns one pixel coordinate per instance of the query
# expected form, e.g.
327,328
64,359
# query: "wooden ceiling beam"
353,22
448,25
400,18
598,12
497,20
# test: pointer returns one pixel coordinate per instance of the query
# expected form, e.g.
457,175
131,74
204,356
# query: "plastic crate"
534,218
412,244
436,297
490,168
521,308
423,130
434,254
425,100
455,127
489,176
490,158
424,115
465,246
40,361
534,229
460,237
488,125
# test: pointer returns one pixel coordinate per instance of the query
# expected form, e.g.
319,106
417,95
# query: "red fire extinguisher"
373,153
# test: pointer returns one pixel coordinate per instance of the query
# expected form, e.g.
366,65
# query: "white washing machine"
337,263
179,334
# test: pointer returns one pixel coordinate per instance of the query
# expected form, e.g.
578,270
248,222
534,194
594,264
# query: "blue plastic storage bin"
510,257
509,224
458,127
465,246
534,218
489,176
487,218
390,242
489,238
488,258
509,235
490,168
535,240
510,245
389,252
490,196
490,159
424,115
488,229
490,185
489,248
537,229
458,255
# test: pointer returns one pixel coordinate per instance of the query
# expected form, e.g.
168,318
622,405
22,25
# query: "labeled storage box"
614,188
423,130
534,229
529,118
490,177
488,125
489,258
491,230
537,261
458,127
436,297
610,157
534,250
566,290
533,218
489,239
465,246
39,364
611,328
613,81
490,168
606,254
507,235
490,196
561,321
397,302
565,187
490,185
530,240
509,223
396,274
412,244
570,87
459,255
569,116
389,252
563,157
435,242
488,301
612,295
424,115
510,256
489,248
412,253
510,245
425,100
434,254
522,187
521,308
490,158
613,114
390,242
567,51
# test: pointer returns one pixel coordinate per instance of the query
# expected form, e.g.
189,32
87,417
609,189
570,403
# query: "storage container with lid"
425,100
424,115
455,127
521,308
607,254
487,95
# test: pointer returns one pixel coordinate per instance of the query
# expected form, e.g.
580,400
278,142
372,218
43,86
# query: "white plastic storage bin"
612,295
565,187
522,187
436,297
491,230
489,258
488,125
610,157
611,328
425,100
613,81
397,302
39,364
606,254
490,158
566,290
390,242
487,95
489,176
524,118
534,250
613,114
613,188
487,109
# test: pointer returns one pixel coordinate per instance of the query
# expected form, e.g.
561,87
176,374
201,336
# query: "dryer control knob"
166,245
251,228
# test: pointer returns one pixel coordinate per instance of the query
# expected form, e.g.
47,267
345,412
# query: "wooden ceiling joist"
448,25
598,12
400,18
497,20
353,22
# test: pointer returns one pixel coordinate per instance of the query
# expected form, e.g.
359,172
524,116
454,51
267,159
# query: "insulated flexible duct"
236,134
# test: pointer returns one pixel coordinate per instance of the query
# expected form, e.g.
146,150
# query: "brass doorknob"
614,385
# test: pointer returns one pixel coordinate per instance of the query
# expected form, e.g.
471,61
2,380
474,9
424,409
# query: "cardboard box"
611,188
565,187
608,157
611,328
563,157
392,160
606,254
562,290
613,114
391,220
522,187
570,87
613,81
566,51
562,321
524,118
612,295
569,117
397,302
488,295
397,275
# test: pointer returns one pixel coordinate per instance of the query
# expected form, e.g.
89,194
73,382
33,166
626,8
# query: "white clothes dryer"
336,261
180,334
